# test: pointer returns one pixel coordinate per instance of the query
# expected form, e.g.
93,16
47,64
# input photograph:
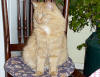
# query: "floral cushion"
16,67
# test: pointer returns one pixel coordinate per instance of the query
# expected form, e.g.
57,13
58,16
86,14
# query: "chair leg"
77,73
8,75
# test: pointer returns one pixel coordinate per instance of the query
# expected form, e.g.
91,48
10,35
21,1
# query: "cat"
48,43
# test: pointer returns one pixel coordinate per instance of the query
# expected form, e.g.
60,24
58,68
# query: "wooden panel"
77,73
31,19
19,21
65,12
24,21
8,75
6,29
16,47
6,32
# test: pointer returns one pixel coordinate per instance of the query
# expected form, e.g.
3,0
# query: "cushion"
17,68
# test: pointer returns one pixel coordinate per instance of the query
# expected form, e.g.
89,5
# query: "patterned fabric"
16,67
95,74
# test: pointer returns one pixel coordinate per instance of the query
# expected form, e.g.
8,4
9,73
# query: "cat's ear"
49,5
35,4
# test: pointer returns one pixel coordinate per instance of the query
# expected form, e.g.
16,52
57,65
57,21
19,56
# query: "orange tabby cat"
47,44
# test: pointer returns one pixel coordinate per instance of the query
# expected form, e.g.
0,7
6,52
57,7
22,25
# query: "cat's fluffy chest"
46,29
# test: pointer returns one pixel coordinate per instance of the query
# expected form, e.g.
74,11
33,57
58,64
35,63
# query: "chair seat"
16,67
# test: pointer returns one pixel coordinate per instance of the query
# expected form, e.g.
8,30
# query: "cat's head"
44,10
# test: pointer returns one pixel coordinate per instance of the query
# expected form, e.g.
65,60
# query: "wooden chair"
18,47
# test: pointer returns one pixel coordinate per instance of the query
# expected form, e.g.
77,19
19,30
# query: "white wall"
12,14
2,56
12,11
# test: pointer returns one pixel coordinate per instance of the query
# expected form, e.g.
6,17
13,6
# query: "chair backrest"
18,47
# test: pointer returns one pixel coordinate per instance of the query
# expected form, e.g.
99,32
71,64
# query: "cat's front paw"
53,74
38,73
